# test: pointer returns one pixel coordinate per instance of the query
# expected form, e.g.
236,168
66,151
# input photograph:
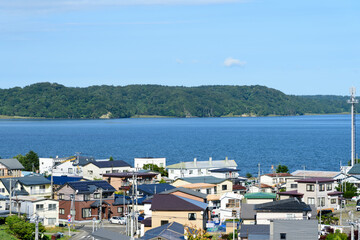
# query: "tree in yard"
30,161
349,189
111,158
282,169
156,168
248,175
22,229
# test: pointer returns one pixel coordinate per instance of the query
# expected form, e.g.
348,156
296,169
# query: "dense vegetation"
51,100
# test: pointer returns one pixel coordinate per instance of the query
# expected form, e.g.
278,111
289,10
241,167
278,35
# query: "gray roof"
205,179
170,231
204,164
33,179
248,211
286,205
254,230
355,169
187,191
6,183
11,163
105,234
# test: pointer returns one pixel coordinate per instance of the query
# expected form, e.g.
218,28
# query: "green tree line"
52,100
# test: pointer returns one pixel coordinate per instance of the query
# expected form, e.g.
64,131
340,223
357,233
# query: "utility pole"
72,209
101,191
10,208
36,227
52,180
351,215
259,177
352,101
132,209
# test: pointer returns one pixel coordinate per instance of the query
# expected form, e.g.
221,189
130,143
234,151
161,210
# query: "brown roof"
335,193
170,202
278,174
291,193
238,187
129,174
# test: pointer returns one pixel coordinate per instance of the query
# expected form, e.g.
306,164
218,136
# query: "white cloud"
233,62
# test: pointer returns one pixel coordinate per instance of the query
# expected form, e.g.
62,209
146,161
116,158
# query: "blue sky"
298,47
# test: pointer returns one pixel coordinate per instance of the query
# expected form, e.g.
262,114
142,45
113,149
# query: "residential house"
262,188
169,231
199,168
46,164
259,197
96,170
10,168
276,179
248,214
259,231
168,208
206,188
187,193
140,162
314,174
230,206
320,191
72,167
222,185
293,229
58,181
239,189
46,209
290,194
225,172
292,209
35,185
86,196
123,181
147,190
122,204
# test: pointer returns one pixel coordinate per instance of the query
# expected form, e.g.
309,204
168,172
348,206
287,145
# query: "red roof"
238,187
278,174
291,193
315,180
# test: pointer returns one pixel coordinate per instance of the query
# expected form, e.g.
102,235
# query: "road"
86,229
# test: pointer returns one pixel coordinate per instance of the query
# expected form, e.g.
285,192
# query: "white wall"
140,162
265,217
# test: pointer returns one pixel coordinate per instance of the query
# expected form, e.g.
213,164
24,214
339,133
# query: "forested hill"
51,100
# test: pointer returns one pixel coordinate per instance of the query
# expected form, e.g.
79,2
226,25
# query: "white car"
118,220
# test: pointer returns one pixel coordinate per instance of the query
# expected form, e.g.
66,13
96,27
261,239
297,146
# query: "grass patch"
4,235
59,229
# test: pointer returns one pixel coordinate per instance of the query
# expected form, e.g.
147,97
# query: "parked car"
118,220
358,205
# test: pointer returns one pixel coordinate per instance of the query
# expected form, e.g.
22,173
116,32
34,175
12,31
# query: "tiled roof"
287,205
170,202
260,195
11,164
91,186
171,231
315,180
187,191
291,193
205,179
312,173
109,164
355,169
151,189
203,164
61,180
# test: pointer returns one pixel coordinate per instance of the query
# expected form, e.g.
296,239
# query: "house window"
321,201
52,207
293,185
328,187
190,171
321,187
208,191
224,187
70,170
192,216
119,209
115,171
234,213
171,171
311,200
108,171
61,211
310,187
39,207
2,190
199,171
333,201
86,197
282,235
163,222
61,196
86,212
90,172
97,195
51,221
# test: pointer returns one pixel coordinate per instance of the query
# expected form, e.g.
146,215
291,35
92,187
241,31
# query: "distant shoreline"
2,117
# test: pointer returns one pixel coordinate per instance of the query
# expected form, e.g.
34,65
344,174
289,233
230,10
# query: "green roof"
260,195
355,169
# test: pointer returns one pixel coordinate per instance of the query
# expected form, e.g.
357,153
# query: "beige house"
259,197
221,185
95,170
168,208
34,185
10,168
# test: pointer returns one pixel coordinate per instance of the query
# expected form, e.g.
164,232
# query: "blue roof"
172,230
197,203
204,179
151,189
61,180
91,186
224,170
33,179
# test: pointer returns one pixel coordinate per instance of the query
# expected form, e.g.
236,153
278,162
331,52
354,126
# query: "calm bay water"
318,142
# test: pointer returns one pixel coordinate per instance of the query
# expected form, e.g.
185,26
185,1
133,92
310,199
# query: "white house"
276,179
46,209
201,168
140,162
230,205
95,170
71,167
45,164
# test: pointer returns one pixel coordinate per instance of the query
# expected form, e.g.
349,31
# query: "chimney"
210,161
195,161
